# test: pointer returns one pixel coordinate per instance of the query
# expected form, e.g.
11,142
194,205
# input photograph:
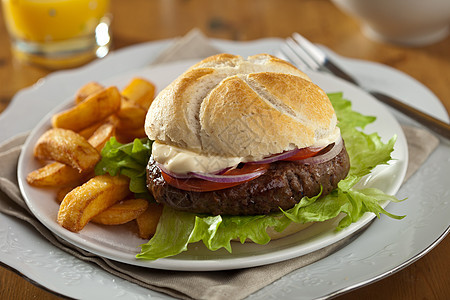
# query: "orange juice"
60,28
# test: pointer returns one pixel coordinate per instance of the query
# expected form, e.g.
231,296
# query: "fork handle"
426,120
331,67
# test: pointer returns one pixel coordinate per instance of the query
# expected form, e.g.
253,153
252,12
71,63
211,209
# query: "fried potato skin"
93,109
84,202
131,117
88,131
100,136
62,192
148,220
59,174
87,90
140,91
68,147
121,213
54,174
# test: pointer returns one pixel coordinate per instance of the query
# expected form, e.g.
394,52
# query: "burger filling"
255,187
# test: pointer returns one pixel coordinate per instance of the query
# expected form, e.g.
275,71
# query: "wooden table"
137,21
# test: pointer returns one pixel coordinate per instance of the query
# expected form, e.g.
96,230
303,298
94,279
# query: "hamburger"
249,150
243,137
238,136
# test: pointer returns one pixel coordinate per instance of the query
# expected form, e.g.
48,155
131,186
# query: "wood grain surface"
137,21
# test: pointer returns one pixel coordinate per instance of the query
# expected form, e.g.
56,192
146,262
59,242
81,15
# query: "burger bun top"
230,106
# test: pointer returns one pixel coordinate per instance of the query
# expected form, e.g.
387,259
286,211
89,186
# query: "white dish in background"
122,245
411,23
385,247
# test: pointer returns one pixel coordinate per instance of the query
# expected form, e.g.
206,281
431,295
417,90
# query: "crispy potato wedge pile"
70,150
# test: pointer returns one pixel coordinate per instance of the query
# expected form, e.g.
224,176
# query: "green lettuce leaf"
129,160
176,230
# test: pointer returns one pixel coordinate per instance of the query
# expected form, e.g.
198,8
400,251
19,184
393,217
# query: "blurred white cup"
406,22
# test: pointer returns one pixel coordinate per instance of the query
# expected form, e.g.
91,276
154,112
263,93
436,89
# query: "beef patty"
282,186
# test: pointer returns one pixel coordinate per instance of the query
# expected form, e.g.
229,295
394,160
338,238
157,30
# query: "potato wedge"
88,200
127,136
67,147
88,131
87,90
90,111
131,117
62,192
99,138
148,220
59,174
121,213
140,92
53,175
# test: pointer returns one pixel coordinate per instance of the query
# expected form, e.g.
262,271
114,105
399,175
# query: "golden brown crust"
236,120
309,103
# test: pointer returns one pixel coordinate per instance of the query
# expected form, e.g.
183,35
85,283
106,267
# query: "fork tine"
293,57
309,48
302,54
311,53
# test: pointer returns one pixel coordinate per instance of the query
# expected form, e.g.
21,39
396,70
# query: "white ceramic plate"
120,244
385,247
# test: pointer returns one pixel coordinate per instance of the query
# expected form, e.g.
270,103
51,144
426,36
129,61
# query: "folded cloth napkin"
231,284
191,46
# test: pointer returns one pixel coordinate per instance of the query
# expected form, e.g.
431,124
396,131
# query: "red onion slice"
188,175
284,155
228,178
220,172
324,157
276,157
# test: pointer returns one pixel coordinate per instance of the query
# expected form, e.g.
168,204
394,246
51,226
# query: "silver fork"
305,55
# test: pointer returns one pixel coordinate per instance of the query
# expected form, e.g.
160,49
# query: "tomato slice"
201,185
304,153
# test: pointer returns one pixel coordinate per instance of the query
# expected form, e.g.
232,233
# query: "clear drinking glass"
58,33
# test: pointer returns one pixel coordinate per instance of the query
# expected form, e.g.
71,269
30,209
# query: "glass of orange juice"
58,33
